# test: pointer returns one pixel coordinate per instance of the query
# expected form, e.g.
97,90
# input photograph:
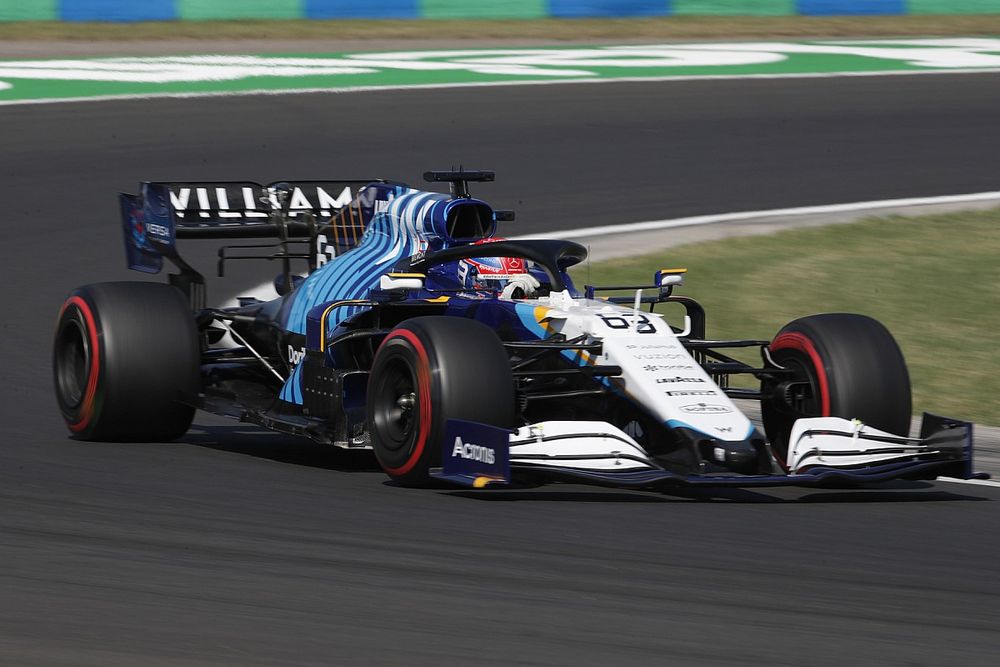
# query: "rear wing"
329,216
243,209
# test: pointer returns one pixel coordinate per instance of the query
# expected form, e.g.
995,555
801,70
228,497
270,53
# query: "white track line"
693,221
975,482
491,84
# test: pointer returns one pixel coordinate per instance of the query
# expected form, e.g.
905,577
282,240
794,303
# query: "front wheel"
842,365
429,370
126,362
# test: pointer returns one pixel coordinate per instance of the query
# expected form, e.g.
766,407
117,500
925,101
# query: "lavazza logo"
473,452
678,379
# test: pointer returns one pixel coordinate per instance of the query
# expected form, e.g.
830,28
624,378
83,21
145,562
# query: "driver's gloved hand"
520,286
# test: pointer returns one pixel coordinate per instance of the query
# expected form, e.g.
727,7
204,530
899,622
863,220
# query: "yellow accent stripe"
322,321
541,316
481,481
354,229
406,275
673,270
438,299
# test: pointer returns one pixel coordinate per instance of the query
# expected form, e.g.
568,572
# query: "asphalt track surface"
236,546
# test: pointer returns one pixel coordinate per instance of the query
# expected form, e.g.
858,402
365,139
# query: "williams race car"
461,357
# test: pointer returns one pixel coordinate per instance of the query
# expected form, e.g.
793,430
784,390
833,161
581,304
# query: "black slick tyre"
426,371
126,362
843,365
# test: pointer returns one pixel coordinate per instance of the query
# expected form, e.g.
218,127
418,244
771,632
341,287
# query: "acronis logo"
473,452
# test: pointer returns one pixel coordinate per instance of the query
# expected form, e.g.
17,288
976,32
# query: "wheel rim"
396,409
780,413
72,363
803,400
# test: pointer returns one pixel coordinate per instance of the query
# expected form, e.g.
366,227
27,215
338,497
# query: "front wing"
825,452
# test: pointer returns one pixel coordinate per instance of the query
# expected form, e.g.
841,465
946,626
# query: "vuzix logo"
237,202
678,379
691,392
705,409
473,452
295,356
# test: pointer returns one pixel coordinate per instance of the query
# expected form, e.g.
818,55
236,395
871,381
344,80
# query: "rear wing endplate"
163,212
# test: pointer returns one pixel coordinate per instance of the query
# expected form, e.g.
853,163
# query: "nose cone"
742,456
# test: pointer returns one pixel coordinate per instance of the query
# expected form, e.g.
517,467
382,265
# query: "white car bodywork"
660,374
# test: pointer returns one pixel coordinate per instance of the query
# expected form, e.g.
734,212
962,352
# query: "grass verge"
934,281
669,28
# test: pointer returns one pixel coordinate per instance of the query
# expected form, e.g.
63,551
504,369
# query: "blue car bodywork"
380,253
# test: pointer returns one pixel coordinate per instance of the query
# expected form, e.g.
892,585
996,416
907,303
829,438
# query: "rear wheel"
843,365
126,362
429,370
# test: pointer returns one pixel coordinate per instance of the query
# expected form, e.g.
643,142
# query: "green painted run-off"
86,78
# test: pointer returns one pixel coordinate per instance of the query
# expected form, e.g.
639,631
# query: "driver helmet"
489,273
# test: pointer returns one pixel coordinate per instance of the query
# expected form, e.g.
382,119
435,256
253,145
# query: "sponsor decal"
678,379
651,346
705,409
473,452
245,202
659,356
724,429
157,230
295,356
691,392
667,367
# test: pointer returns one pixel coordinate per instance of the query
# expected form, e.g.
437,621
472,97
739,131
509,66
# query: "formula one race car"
459,356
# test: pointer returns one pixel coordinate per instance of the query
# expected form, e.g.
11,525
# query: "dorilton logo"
473,452
295,356
691,392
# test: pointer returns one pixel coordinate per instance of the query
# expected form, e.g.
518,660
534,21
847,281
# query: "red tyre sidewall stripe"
87,404
424,391
791,340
